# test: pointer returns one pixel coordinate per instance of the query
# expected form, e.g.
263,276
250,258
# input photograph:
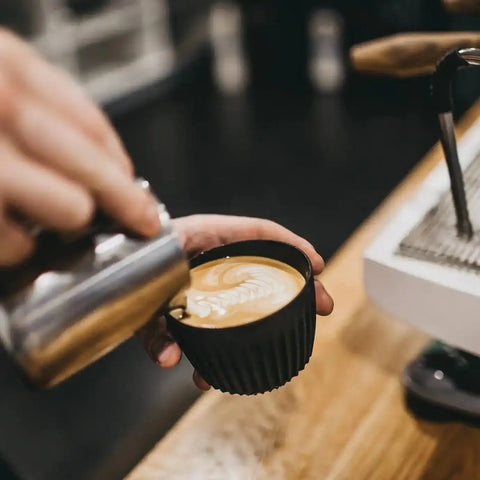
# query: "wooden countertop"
343,418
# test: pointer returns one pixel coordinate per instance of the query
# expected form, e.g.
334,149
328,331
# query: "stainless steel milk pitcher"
79,297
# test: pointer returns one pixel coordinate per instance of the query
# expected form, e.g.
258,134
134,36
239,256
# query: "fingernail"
152,220
328,299
200,382
156,346
321,261
164,356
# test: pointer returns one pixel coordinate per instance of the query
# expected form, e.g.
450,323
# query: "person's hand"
60,158
202,232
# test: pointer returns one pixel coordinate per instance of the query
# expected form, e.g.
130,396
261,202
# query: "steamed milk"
236,290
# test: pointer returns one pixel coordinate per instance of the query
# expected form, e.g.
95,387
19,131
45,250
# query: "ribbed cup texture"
263,355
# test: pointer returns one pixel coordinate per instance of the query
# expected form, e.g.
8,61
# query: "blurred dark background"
316,161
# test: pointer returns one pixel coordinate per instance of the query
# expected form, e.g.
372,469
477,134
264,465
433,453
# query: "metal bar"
470,55
449,143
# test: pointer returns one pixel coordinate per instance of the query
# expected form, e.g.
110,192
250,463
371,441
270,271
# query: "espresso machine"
424,266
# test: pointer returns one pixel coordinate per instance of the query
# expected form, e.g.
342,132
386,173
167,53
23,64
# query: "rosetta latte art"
239,290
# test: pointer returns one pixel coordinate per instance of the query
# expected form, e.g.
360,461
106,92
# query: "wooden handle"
461,6
408,54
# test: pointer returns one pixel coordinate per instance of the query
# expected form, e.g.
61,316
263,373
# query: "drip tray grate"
435,238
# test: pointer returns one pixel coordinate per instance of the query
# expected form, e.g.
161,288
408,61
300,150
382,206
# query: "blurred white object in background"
230,68
121,46
327,64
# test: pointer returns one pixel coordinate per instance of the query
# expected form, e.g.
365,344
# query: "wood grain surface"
461,6
344,417
408,54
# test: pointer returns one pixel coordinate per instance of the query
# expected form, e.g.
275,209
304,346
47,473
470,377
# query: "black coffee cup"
262,355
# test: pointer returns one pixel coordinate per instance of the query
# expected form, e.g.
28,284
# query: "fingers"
54,89
201,232
162,349
51,120
158,344
40,194
323,299
169,355
271,230
59,146
200,382
15,244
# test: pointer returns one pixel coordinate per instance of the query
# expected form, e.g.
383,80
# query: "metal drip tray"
435,238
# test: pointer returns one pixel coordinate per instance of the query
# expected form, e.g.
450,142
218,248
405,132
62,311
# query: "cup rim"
253,323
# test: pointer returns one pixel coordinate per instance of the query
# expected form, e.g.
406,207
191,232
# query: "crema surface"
236,290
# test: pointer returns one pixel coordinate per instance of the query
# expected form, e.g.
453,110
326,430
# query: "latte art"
237,290
250,283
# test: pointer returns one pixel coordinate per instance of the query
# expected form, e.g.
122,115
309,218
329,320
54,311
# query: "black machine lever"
442,81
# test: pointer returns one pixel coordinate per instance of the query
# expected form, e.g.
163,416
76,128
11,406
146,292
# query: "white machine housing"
442,300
